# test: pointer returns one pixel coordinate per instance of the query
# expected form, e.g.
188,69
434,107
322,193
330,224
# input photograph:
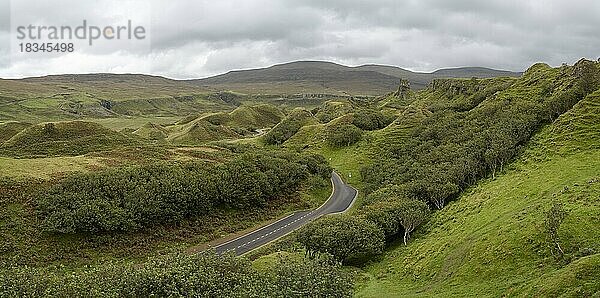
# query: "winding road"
340,200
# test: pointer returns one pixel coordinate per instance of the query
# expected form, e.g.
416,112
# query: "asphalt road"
340,200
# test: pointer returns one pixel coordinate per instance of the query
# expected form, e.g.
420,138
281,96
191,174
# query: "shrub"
339,135
200,275
345,238
367,119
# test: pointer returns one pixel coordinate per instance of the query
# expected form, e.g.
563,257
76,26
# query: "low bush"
132,198
200,275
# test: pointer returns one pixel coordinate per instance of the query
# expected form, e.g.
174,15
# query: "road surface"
340,200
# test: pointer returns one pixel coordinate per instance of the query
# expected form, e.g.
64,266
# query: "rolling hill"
105,95
72,97
243,121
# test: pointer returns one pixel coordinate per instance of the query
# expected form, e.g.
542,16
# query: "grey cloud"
200,38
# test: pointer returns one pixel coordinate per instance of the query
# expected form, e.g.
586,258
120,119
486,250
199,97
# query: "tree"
412,213
345,238
339,135
367,119
384,194
589,76
384,214
554,218
440,192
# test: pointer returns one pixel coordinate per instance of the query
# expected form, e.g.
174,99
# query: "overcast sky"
191,39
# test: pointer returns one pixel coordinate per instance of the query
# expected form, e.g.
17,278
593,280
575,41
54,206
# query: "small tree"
554,218
412,213
343,135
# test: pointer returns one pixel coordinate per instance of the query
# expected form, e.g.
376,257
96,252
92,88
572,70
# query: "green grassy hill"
243,121
11,128
289,126
152,131
491,241
64,138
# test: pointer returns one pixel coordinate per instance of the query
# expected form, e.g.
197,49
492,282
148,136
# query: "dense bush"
339,135
346,238
458,144
368,119
132,198
201,275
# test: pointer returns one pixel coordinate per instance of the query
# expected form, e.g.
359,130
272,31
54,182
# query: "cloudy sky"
191,39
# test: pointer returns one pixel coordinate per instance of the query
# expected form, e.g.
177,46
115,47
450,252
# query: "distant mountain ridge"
329,77
299,77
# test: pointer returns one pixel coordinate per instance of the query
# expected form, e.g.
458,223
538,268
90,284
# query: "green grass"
64,139
9,129
119,123
491,241
46,168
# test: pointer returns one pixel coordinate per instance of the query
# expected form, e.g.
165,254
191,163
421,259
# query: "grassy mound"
64,138
255,117
9,129
242,121
152,131
492,240
202,131
332,109
289,126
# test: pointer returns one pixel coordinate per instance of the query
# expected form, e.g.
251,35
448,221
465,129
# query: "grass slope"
491,241
9,129
152,131
64,138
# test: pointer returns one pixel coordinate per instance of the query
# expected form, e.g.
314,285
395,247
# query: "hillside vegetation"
452,135
133,198
468,187
492,241
9,129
